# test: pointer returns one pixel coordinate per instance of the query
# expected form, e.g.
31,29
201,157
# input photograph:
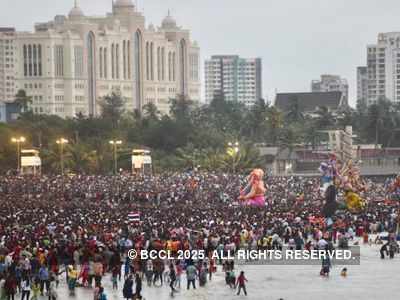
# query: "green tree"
380,122
112,108
256,120
151,111
295,113
290,138
324,119
23,101
274,122
246,159
81,159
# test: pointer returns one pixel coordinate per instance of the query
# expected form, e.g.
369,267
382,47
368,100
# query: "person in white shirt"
25,288
322,244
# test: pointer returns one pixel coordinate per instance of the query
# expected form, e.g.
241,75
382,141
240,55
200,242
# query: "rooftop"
309,102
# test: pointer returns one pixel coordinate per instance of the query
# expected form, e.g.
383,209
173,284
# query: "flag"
134,217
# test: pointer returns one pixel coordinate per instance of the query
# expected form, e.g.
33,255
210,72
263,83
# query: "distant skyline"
297,40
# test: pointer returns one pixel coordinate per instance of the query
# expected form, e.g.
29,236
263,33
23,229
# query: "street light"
61,142
18,141
115,144
233,150
234,147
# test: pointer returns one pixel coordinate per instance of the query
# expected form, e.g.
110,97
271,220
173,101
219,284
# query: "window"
147,61
30,61
138,69
112,61
169,66
78,55
152,60
128,50
34,61
25,50
91,73
194,67
32,55
124,58
173,66
105,63
163,63
117,61
39,59
101,62
158,63
183,66
59,61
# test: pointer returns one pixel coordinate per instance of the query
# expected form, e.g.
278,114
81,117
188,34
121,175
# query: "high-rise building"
362,86
234,78
68,64
383,68
7,64
331,83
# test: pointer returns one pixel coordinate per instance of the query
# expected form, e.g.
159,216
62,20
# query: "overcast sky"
297,39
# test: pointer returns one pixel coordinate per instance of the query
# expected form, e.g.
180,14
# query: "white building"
234,78
7,64
67,65
383,68
331,83
362,85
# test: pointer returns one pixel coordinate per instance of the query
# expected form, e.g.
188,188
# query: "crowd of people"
79,227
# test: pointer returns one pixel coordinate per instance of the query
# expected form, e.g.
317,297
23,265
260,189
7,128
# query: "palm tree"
81,158
311,134
290,137
246,159
325,118
180,108
347,117
51,159
274,120
211,160
112,108
256,119
151,111
295,113
190,155
380,122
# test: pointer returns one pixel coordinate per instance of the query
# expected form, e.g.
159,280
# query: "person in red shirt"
241,283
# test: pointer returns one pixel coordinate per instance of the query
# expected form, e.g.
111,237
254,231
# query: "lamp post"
115,144
61,142
18,141
233,150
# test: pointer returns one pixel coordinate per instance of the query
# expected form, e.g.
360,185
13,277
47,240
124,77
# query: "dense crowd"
80,226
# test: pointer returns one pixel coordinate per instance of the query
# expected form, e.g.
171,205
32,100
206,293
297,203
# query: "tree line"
191,135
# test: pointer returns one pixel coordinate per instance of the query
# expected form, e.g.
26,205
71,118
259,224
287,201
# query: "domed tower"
169,23
123,7
76,12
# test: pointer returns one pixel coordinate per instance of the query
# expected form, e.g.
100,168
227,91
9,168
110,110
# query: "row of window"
32,86
154,100
79,98
194,65
161,90
161,67
37,98
32,60
59,98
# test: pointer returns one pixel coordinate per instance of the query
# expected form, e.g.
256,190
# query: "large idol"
254,192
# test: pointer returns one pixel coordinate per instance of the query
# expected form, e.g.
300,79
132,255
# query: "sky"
298,40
